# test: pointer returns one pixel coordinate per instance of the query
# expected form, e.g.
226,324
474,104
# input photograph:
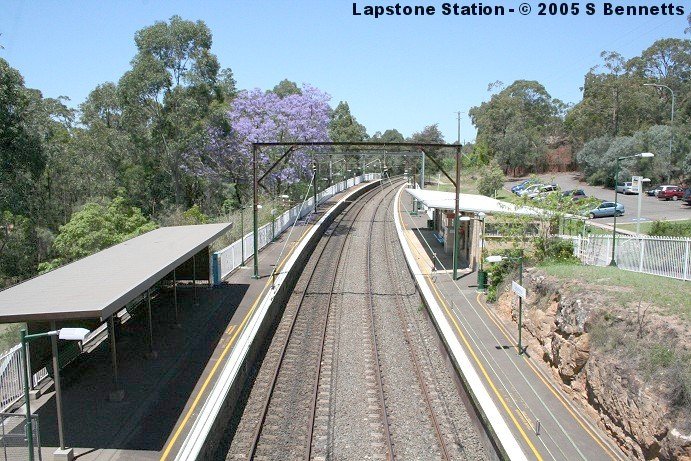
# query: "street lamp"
519,259
613,262
68,334
481,276
671,137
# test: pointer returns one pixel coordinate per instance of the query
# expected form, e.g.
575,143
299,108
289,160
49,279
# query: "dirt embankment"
628,363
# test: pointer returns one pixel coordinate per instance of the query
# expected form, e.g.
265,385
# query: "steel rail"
375,348
258,431
409,342
315,392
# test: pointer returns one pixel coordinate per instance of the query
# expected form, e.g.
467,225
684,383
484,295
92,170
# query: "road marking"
196,400
230,329
472,353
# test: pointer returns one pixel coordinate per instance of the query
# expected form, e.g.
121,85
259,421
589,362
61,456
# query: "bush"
497,272
671,229
554,250
491,179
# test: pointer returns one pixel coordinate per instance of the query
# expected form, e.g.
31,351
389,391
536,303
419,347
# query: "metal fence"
13,442
12,377
224,261
665,256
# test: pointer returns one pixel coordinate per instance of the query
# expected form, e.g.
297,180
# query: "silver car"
606,209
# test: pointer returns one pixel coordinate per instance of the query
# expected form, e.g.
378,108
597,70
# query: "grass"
646,226
669,295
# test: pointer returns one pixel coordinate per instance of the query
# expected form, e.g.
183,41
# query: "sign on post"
636,184
518,289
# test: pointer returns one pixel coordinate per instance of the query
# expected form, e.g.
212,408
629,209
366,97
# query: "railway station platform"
164,394
546,423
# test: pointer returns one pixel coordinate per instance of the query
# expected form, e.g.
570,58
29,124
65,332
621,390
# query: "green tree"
174,87
517,122
17,254
94,228
344,127
491,179
286,87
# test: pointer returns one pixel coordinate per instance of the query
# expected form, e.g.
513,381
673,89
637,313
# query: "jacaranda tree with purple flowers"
258,116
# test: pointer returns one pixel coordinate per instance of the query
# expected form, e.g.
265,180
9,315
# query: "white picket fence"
665,256
224,261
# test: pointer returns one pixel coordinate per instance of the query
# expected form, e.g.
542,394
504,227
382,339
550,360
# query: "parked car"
627,188
519,187
687,196
670,193
575,194
606,209
653,192
542,191
533,188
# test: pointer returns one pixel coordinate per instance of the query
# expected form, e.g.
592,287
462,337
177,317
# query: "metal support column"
456,211
194,279
29,427
255,211
152,353
314,183
117,394
58,390
242,236
520,307
422,172
175,296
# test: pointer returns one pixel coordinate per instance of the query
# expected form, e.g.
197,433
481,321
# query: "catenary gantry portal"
291,146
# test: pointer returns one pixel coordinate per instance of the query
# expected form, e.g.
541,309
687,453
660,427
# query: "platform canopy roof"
470,203
101,284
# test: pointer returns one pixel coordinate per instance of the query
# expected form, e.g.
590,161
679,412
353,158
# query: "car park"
670,193
606,209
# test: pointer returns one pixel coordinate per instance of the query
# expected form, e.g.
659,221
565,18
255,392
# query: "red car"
670,193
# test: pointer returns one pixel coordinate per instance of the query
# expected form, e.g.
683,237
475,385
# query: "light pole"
481,277
613,262
640,193
456,211
69,334
519,259
671,137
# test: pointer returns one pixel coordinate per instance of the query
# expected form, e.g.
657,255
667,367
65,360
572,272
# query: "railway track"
319,394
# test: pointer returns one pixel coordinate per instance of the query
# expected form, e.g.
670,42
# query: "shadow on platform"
156,390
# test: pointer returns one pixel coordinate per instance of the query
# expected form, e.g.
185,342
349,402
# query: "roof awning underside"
101,284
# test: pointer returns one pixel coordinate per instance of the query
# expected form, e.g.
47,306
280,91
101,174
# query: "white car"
534,189
627,188
542,191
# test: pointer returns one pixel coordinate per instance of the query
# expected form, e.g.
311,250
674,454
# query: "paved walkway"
520,385
162,395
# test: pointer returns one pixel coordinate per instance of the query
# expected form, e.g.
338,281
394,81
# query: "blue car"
519,187
606,209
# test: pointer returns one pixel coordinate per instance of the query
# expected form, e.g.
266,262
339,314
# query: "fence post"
686,260
640,264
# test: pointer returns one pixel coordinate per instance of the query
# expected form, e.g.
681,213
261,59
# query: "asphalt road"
652,209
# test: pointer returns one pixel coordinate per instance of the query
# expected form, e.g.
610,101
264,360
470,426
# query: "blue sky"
395,72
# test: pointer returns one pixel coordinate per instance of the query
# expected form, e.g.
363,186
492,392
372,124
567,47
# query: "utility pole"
459,126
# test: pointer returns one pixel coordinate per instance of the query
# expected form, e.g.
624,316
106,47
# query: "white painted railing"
224,261
12,377
665,256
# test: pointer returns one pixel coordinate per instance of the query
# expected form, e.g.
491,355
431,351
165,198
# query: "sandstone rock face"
636,411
